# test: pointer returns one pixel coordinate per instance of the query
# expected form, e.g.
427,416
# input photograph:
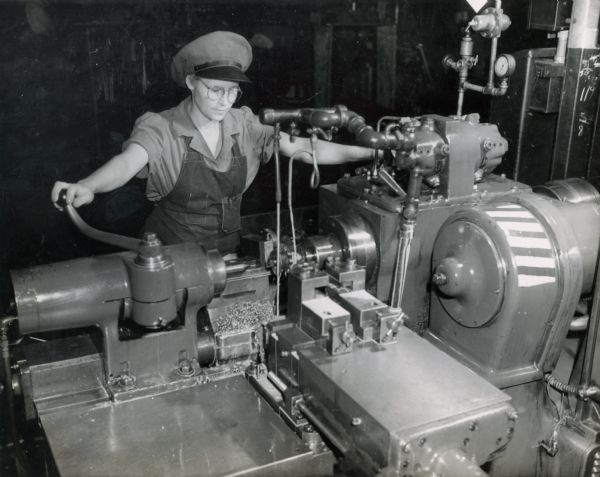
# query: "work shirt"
163,136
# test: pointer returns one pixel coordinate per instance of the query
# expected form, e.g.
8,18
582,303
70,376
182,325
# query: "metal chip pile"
243,316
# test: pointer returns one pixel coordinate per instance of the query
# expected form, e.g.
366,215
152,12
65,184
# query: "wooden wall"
77,73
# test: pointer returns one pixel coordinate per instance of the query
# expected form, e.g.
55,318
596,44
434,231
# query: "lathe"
421,330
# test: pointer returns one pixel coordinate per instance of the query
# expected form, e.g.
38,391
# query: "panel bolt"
356,421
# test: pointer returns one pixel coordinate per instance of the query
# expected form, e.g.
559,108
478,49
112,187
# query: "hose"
583,392
560,386
337,117
290,168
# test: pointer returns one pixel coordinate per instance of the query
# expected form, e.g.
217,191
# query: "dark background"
75,74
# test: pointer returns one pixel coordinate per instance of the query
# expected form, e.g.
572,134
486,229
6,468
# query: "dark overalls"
204,204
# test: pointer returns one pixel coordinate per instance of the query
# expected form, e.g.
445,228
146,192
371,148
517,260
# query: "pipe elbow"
365,135
369,138
500,90
322,119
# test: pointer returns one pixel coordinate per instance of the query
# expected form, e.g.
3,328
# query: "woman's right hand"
77,194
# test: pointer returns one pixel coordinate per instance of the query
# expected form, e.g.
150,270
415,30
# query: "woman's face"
216,106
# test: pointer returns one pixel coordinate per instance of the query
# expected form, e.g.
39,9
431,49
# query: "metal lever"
392,184
121,241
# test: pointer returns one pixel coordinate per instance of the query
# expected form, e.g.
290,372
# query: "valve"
490,23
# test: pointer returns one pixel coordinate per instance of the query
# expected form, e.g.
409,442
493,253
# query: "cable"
555,406
292,157
315,177
562,387
277,138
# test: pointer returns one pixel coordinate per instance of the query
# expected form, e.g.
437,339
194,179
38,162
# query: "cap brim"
224,73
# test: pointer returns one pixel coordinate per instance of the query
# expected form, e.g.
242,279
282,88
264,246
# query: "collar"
184,126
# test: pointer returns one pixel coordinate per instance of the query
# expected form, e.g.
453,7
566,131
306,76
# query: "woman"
200,156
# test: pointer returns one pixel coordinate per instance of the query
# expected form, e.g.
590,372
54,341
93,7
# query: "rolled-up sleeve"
149,133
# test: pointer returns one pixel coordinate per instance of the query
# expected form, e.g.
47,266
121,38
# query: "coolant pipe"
405,236
337,117
365,135
468,60
492,91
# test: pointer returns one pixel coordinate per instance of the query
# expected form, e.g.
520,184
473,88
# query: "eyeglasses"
215,93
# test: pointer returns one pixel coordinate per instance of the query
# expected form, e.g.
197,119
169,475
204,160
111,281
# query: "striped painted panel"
529,242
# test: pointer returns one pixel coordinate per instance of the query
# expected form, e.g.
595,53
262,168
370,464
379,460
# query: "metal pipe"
405,236
584,24
489,25
493,53
461,100
402,253
366,135
338,117
561,46
523,116
493,91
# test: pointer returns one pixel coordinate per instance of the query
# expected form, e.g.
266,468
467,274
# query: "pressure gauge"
504,66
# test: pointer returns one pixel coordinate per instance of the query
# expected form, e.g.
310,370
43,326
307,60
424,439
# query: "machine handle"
121,241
